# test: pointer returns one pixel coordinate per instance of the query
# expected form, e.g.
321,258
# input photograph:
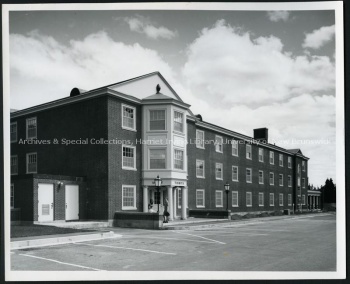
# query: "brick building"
96,152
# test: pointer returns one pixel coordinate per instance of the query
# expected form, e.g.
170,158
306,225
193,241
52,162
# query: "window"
289,162
200,139
200,169
299,182
157,159
234,148
272,199
234,173
281,160
298,168
248,199
156,197
31,163
31,128
280,180
234,198
261,199
303,199
129,117
129,157
303,166
218,171
272,179
179,197
289,199
218,144
157,120
281,199
12,197
178,159
248,175
13,131
14,165
272,158
129,197
218,198
261,155
289,181
248,151
303,183
178,121
200,198
261,177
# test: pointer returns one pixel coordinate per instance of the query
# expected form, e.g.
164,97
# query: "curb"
62,240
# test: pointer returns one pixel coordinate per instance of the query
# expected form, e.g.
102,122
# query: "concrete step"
76,225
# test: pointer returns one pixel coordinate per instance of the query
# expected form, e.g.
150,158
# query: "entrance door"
72,202
45,204
158,198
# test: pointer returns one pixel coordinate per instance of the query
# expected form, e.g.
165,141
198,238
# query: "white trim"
248,146
251,175
272,156
273,199
198,145
289,178
262,177
279,179
14,123
222,171
246,199
221,198
279,160
289,199
289,162
27,156
273,178
200,206
14,156
261,194
216,144
183,159
197,176
129,207
122,112
36,128
183,119
237,173
280,199
134,152
262,155
234,205
234,143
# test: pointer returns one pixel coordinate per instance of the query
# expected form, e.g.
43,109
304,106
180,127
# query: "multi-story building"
96,152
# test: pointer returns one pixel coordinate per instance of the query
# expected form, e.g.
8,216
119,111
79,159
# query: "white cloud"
276,16
319,37
143,25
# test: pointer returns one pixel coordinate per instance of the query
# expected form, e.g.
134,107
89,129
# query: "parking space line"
200,237
60,262
174,239
113,247
234,234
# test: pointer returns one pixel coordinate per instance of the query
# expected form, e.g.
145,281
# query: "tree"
329,191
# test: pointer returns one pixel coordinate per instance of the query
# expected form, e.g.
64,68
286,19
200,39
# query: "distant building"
121,137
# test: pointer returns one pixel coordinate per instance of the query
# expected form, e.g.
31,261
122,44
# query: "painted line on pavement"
201,237
60,262
113,247
238,234
167,239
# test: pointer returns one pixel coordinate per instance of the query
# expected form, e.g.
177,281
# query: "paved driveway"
301,243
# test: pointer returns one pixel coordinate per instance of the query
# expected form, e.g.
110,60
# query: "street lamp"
227,189
158,182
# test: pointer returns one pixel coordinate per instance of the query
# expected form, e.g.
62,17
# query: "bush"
236,217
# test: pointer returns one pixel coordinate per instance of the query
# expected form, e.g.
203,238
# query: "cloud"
143,25
319,37
276,16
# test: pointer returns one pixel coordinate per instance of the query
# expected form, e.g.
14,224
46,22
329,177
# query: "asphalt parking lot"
300,243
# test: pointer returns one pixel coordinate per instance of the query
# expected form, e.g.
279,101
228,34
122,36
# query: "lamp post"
158,182
227,189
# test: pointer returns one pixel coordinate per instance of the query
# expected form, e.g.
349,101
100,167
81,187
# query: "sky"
238,69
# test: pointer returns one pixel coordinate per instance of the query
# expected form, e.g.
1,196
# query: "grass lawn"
20,231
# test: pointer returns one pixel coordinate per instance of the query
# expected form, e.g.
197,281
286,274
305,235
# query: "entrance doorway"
72,202
45,202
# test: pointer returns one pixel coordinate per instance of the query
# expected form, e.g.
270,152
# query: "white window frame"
261,155
235,148
251,175
13,123
221,198
198,161
289,181
233,204
200,190
36,127
217,137
232,173
27,160
248,151
183,159
179,193
279,179
303,201
183,125
14,173
289,199
303,166
248,193
198,145
165,120
149,158
280,199
272,158
303,182
280,160
289,162
134,152
134,113
273,199
261,194
134,205
261,182
12,196
222,171
273,178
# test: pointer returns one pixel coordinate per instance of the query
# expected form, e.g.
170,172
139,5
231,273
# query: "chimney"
261,134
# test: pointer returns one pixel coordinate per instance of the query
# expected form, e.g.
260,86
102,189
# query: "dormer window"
157,120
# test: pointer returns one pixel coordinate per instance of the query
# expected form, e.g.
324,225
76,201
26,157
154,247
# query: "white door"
72,202
45,204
